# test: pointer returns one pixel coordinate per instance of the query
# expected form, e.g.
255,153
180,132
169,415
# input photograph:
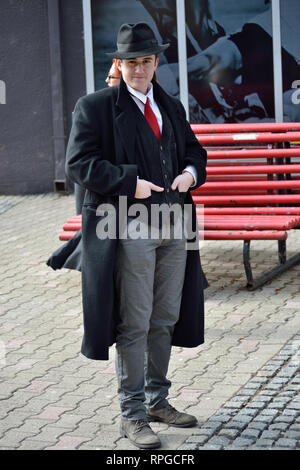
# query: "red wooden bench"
252,190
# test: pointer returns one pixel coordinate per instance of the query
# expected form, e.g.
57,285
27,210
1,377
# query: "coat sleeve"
195,154
85,162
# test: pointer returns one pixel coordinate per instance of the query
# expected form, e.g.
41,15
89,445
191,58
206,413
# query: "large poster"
231,80
229,50
290,21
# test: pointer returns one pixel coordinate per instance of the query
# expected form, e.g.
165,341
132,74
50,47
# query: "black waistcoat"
157,161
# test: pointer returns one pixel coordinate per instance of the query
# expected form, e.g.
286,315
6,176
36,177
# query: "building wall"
72,37
26,139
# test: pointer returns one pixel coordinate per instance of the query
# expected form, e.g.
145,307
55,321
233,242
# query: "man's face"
138,72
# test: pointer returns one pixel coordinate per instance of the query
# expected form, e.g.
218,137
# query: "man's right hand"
144,188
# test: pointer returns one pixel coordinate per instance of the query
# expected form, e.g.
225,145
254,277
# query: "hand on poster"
219,63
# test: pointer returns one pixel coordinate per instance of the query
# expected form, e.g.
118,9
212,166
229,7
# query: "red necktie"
151,118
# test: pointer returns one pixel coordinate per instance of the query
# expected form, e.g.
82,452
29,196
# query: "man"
142,293
114,74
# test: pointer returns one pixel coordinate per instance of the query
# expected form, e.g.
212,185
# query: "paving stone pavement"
242,383
263,415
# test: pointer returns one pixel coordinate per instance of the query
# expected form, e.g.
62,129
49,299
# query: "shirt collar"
140,95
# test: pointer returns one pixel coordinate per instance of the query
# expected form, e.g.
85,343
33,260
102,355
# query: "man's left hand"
183,182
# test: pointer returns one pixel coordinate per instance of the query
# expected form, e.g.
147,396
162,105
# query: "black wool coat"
101,158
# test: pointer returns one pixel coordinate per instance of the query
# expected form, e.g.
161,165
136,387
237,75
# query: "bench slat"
248,210
253,200
246,127
251,137
65,236
232,223
252,169
259,225
251,217
242,235
223,185
220,235
72,226
249,153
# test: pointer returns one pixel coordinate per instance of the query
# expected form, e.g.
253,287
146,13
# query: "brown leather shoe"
140,434
169,415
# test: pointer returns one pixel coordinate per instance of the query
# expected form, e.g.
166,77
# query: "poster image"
229,54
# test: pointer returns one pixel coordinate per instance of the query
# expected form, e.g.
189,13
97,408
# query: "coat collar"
125,120
124,100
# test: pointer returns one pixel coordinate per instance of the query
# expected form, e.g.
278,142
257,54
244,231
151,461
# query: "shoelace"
140,424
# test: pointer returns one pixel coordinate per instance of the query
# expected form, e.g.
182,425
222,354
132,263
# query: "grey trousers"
149,276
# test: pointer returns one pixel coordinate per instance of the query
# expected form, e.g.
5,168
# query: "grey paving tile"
242,383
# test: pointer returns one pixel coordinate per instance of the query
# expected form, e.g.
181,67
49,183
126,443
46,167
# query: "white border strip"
88,46
182,56
277,64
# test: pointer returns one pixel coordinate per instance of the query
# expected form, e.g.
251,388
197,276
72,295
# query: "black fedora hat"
136,40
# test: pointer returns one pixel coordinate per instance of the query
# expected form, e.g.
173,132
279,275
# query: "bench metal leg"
282,251
247,265
284,265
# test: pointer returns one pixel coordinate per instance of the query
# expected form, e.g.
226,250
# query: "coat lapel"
126,122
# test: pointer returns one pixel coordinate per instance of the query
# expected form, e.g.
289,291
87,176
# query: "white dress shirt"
140,99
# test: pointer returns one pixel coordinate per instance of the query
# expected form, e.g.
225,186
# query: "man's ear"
119,66
156,62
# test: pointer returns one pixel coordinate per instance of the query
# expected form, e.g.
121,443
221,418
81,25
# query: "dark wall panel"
73,55
26,134
26,129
